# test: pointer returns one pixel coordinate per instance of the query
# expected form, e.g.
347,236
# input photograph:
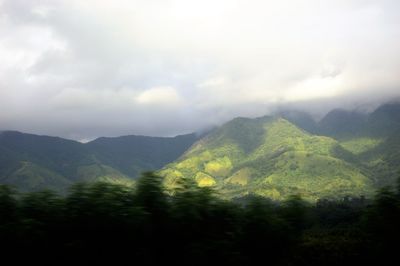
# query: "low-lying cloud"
82,69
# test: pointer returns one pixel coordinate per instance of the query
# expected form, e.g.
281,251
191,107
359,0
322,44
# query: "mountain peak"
301,119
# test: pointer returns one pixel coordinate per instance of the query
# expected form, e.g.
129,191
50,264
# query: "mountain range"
347,153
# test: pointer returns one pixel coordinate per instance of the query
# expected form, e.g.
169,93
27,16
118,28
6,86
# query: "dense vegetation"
145,226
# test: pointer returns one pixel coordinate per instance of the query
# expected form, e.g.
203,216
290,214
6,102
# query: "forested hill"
31,162
271,157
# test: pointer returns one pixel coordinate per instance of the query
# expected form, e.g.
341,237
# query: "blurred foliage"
100,222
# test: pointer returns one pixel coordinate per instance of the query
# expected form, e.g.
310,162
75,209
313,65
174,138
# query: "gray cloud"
82,69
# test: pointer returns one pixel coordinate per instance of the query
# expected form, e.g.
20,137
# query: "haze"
82,69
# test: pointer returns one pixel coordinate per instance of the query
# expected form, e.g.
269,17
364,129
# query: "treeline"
144,226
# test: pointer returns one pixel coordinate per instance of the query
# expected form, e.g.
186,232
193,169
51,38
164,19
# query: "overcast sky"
82,69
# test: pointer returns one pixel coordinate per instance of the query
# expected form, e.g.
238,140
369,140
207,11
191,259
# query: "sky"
83,69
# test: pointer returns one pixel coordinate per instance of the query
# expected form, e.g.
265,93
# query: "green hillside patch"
171,177
318,176
241,177
219,167
190,164
269,193
282,136
383,160
204,180
104,173
360,145
31,177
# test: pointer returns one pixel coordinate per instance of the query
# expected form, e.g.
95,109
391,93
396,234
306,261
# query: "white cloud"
187,62
159,96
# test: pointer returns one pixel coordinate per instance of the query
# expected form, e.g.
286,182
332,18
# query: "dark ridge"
341,123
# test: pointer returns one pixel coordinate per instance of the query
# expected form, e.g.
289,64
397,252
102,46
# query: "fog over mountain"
82,69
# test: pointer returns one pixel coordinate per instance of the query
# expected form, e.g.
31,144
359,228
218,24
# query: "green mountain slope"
270,157
31,162
31,177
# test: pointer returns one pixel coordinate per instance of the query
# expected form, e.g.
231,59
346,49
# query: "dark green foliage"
8,210
265,230
294,211
102,222
150,195
382,224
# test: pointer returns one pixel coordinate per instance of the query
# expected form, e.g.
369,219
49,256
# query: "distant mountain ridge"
33,162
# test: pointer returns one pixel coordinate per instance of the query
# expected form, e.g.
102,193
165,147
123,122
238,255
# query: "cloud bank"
81,69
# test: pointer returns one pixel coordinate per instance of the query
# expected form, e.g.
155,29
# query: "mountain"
31,162
385,120
272,157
